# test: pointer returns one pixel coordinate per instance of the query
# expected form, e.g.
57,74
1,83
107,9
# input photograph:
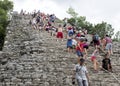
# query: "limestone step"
37,59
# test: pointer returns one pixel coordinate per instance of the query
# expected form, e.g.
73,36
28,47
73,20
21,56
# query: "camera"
73,81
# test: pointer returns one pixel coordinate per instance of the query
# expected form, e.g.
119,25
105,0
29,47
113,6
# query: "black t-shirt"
105,63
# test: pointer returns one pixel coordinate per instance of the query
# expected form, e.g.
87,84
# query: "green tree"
100,29
80,22
109,30
103,28
88,26
72,12
117,36
5,7
72,21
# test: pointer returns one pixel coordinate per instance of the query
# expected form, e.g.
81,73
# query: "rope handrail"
110,74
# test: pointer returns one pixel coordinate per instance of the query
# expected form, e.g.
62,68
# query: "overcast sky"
95,11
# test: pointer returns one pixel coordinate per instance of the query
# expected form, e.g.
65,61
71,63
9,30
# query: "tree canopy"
80,21
117,36
72,12
5,7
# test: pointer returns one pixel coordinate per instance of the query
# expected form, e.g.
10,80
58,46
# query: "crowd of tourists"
77,43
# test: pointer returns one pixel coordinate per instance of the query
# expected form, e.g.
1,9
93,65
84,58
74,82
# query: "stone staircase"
34,58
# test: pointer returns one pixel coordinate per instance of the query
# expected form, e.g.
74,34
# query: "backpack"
96,37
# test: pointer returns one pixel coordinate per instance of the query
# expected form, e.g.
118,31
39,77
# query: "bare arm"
87,75
73,75
86,51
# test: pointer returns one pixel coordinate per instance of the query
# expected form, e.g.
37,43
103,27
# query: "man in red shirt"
80,49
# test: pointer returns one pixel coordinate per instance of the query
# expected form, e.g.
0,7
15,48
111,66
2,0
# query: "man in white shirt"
81,73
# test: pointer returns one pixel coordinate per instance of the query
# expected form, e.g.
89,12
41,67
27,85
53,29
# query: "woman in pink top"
94,59
108,45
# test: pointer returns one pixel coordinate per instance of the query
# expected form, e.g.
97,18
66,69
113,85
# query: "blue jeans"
82,82
79,53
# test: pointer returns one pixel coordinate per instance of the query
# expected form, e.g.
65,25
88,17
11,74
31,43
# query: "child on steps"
106,63
94,59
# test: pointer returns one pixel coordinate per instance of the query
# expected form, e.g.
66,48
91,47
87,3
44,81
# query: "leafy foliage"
117,36
80,21
72,21
5,7
103,29
72,12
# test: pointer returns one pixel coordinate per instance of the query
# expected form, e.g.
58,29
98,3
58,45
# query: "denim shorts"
109,46
79,53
